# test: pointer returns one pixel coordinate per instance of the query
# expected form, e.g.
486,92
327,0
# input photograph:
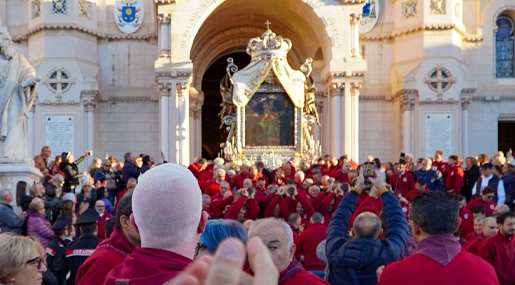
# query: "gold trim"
440,27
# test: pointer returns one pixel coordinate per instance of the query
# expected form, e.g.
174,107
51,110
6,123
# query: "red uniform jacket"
465,215
454,180
369,204
443,167
489,207
195,170
108,254
323,206
101,225
499,250
466,228
473,246
252,208
218,204
211,188
307,243
270,209
289,206
339,175
414,194
471,236
148,266
237,181
420,269
404,184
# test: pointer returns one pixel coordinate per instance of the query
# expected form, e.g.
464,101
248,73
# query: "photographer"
71,170
246,199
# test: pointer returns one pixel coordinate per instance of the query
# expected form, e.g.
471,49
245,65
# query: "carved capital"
355,19
89,99
408,103
181,88
465,102
320,106
164,88
355,87
164,18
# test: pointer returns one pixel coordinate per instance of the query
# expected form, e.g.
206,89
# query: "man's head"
478,225
86,188
426,164
305,166
244,169
129,157
286,168
307,183
242,213
168,198
277,236
438,155
506,223
6,45
271,189
461,200
314,191
247,183
352,175
488,195
224,187
6,196
434,213
367,225
46,151
206,202
420,184
100,207
299,177
123,221
478,211
131,184
260,165
317,218
490,226
253,171
294,219
487,169
219,175
202,163
260,183
499,209
346,166
317,177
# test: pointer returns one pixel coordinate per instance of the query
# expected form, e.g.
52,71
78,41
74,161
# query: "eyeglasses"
200,245
38,261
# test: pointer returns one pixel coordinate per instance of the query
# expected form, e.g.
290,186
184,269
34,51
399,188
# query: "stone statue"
228,107
17,93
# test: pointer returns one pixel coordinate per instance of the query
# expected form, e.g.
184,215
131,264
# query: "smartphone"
291,191
368,170
250,190
90,152
330,181
402,158
345,187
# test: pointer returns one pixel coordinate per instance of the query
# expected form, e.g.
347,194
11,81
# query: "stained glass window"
504,48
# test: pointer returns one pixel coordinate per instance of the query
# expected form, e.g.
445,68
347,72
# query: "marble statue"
17,93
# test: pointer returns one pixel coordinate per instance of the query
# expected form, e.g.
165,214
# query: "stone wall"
376,130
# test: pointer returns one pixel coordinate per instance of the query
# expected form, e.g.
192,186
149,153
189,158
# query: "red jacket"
466,216
455,180
489,207
218,204
195,170
474,245
414,194
444,168
148,266
252,208
211,188
289,206
499,250
101,225
471,236
337,174
237,181
294,274
108,254
323,206
307,243
404,184
419,269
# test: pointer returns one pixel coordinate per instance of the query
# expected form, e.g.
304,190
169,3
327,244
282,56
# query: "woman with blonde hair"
22,260
95,165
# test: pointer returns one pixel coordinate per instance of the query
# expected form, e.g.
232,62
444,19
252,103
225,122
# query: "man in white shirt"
488,179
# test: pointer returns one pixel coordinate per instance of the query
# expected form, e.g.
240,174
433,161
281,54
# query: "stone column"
407,107
164,104
89,99
165,32
180,123
354,131
465,102
348,115
32,130
317,132
354,34
336,119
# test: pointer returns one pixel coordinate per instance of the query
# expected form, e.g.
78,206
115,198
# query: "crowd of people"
330,221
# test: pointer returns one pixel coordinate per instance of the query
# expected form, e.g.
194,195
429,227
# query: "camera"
291,191
251,190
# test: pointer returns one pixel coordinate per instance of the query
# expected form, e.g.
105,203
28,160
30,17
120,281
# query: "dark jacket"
355,261
71,173
129,171
509,187
471,176
9,221
433,178
77,252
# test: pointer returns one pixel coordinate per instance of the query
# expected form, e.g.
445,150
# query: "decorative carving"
268,45
164,88
409,10
439,101
355,87
90,98
164,2
439,80
36,9
437,7
85,9
436,27
465,102
457,10
164,18
372,98
180,88
58,6
408,103
59,81
128,99
355,19
110,37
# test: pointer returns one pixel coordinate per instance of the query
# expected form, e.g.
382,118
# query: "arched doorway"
212,136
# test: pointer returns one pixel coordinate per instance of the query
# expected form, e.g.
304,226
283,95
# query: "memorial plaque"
59,133
438,134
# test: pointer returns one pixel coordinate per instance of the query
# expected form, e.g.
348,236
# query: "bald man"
499,209
489,229
169,221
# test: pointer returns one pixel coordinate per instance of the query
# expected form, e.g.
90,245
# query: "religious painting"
269,120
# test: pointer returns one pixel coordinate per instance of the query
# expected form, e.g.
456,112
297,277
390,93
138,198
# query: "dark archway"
211,134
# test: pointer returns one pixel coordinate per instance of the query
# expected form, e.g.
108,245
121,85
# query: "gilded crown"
269,45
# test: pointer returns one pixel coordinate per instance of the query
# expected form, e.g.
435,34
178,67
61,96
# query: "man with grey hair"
499,209
9,221
355,261
17,93
212,187
278,237
167,213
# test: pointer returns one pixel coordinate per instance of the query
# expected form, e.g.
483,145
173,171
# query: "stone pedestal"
10,174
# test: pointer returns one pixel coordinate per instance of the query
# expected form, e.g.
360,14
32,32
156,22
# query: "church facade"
392,76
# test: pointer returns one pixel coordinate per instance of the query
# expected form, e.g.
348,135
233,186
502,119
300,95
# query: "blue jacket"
355,261
509,187
434,179
9,221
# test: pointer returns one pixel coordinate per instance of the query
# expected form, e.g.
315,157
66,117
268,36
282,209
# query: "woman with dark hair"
22,199
71,171
472,173
215,232
147,163
378,168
